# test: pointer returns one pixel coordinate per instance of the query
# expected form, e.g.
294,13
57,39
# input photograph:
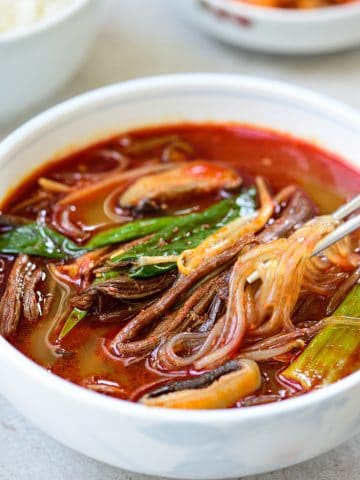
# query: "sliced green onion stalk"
130,231
334,352
73,319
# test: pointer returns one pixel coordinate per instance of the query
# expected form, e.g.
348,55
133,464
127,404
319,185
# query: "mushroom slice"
194,177
220,388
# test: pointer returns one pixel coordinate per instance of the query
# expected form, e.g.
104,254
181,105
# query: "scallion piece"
334,352
73,319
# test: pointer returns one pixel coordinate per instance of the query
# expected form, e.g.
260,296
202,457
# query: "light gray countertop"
144,37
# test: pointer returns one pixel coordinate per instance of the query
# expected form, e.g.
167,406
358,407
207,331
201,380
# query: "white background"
147,37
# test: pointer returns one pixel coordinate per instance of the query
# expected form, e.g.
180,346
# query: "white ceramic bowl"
181,444
38,60
278,30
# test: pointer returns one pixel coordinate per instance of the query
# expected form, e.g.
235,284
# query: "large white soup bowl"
182,444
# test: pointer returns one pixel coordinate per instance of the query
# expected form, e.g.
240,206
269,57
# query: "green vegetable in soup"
186,232
334,352
180,232
40,240
177,235
73,319
130,231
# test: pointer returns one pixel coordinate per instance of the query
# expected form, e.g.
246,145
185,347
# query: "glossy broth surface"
280,159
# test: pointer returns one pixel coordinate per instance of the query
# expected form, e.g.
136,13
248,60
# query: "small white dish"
286,31
175,443
37,60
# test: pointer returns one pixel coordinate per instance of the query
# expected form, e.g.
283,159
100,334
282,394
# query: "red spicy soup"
132,257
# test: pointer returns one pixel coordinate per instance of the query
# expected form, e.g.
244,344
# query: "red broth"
280,159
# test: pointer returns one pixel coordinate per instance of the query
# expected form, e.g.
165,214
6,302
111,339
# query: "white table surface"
146,37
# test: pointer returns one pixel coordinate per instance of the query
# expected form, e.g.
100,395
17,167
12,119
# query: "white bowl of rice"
42,44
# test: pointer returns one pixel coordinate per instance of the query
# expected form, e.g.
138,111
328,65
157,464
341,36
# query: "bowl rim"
323,14
11,356
44,24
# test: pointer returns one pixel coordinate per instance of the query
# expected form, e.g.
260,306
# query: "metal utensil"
349,226
340,232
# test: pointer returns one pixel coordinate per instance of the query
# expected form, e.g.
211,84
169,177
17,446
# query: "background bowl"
278,30
38,60
180,444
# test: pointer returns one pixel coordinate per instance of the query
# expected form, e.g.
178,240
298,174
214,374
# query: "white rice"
19,14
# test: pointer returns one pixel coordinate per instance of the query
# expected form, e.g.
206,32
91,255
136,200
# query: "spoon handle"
347,209
344,229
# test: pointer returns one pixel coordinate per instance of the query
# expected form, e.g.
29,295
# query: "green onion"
186,232
130,231
73,319
40,240
334,352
